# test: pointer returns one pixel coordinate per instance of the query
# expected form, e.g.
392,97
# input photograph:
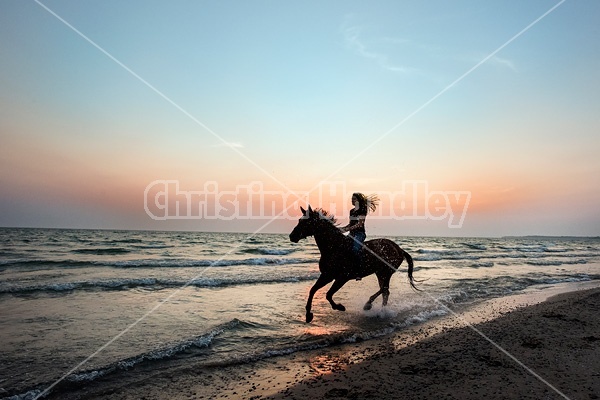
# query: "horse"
381,257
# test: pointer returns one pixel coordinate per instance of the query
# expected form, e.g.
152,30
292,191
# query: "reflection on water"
313,330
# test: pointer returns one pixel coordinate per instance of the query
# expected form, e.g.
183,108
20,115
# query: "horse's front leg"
334,288
322,281
369,304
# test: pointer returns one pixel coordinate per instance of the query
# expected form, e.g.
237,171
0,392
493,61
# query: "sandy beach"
518,347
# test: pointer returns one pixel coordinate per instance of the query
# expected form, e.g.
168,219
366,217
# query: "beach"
518,347
133,314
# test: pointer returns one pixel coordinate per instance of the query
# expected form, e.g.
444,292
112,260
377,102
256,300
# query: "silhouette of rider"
358,214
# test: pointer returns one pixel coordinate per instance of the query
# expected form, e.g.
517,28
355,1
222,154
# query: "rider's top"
354,219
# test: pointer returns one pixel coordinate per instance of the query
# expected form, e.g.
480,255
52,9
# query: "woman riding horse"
380,256
356,226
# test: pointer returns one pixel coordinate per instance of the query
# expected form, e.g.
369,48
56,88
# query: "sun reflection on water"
313,330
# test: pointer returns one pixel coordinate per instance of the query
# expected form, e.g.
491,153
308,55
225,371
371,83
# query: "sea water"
84,304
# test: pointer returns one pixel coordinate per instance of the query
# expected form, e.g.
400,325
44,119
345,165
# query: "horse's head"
309,223
306,225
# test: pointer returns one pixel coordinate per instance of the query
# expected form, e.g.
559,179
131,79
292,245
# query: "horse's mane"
324,214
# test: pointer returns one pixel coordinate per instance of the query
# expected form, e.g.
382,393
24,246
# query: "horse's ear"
303,210
310,210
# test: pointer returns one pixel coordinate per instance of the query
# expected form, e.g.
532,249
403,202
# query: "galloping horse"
379,256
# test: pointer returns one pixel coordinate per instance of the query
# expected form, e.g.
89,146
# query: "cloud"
503,62
354,40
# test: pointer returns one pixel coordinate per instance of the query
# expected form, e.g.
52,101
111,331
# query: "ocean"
77,305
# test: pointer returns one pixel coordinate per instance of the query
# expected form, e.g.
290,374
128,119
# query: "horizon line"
285,233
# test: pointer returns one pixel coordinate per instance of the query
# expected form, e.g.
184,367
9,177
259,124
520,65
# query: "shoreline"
439,352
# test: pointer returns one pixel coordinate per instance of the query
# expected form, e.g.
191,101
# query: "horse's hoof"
340,307
368,306
309,317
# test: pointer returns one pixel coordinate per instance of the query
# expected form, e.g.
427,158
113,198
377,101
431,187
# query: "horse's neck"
328,238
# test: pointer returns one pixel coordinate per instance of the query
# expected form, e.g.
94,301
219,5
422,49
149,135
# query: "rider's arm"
354,225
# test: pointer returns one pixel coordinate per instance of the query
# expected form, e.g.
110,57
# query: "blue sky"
300,89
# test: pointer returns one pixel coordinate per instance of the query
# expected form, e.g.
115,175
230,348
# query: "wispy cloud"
503,62
354,40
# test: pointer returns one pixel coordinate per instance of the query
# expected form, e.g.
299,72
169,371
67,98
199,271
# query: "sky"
467,118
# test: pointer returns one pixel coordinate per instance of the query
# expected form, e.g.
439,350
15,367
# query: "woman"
362,205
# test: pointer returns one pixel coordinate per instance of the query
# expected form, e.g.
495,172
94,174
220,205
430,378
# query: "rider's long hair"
366,203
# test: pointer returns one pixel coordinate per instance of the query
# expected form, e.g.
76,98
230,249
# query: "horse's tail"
409,260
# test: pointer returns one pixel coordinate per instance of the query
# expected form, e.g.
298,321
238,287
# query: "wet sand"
549,350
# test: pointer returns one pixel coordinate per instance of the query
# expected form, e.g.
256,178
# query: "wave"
423,316
437,255
160,263
555,262
556,250
151,263
8,253
475,246
504,285
127,241
102,251
69,286
42,262
151,246
163,353
482,265
148,283
428,257
534,249
166,352
544,262
523,253
270,252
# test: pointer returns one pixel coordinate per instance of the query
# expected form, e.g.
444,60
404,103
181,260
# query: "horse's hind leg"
337,284
384,285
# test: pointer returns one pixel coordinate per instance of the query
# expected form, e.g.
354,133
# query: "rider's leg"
357,244
359,239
